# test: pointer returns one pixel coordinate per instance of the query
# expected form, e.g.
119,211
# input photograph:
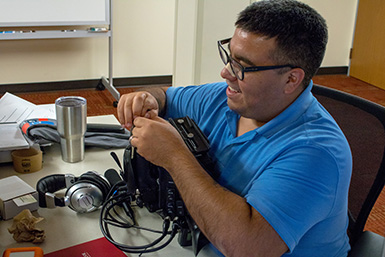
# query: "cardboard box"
15,196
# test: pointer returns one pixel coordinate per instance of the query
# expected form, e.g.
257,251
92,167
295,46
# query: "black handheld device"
156,190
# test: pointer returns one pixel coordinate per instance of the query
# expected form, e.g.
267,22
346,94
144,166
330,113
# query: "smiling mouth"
234,90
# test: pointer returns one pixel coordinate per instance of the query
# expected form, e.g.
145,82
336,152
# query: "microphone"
113,177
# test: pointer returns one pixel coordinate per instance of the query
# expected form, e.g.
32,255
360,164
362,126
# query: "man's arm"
227,220
145,102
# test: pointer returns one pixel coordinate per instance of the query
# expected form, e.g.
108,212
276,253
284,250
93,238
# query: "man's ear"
294,80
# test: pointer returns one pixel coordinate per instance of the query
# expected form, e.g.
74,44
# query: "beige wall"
153,37
199,24
340,16
143,46
214,23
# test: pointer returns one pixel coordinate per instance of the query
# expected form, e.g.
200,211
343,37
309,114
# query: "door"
368,54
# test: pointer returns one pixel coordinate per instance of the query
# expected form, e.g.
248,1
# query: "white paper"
45,111
24,200
16,109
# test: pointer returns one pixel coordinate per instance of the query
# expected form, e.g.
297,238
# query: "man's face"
260,95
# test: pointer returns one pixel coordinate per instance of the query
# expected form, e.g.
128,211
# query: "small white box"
15,196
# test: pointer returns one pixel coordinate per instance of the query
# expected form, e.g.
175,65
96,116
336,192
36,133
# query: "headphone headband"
84,194
47,186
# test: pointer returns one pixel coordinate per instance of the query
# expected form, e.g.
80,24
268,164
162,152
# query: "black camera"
156,189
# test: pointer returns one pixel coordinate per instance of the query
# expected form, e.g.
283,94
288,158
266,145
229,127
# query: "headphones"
84,194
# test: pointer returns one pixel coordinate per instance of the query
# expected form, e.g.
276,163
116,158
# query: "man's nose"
227,73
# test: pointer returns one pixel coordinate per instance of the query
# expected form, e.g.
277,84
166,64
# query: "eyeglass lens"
236,68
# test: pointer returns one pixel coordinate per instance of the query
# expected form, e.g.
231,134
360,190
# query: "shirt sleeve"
193,101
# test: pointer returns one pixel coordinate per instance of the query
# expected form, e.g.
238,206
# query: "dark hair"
300,32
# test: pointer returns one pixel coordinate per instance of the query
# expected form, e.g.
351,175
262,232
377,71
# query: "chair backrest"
363,123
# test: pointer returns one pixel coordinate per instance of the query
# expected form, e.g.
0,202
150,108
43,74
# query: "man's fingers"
138,104
151,114
124,111
144,103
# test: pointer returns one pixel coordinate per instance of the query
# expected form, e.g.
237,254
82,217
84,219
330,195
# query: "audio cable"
117,212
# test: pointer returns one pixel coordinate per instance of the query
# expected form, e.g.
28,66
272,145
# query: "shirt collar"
290,114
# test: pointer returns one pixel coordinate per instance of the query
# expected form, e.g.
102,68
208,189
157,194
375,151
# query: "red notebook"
96,248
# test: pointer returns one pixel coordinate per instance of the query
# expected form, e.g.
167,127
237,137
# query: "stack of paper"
11,137
16,109
13,111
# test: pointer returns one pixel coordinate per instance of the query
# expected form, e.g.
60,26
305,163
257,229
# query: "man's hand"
137,104
158,141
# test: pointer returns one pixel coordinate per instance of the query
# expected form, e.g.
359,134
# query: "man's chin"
232,106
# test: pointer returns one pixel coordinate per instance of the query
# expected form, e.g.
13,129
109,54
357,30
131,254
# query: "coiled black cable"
118,199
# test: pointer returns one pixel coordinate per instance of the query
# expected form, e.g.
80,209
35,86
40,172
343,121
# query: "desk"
64,227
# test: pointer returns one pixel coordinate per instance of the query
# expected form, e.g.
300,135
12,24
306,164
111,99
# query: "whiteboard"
54,12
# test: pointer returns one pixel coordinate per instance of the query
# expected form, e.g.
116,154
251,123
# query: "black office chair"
363,123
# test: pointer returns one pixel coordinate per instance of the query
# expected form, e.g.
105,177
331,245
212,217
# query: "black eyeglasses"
237,69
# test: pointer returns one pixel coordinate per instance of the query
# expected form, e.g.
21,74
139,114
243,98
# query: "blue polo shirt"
294,170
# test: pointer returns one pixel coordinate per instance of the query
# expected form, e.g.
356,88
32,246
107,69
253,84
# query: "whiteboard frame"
71,22
70,33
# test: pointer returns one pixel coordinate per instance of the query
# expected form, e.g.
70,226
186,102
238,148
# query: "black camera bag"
157,190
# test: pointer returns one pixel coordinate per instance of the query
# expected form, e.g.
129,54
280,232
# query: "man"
284,164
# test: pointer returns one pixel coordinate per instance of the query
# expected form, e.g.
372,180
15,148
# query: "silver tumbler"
71,118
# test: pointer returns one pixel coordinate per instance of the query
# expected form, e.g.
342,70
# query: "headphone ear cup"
88,193
84,197
98,180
